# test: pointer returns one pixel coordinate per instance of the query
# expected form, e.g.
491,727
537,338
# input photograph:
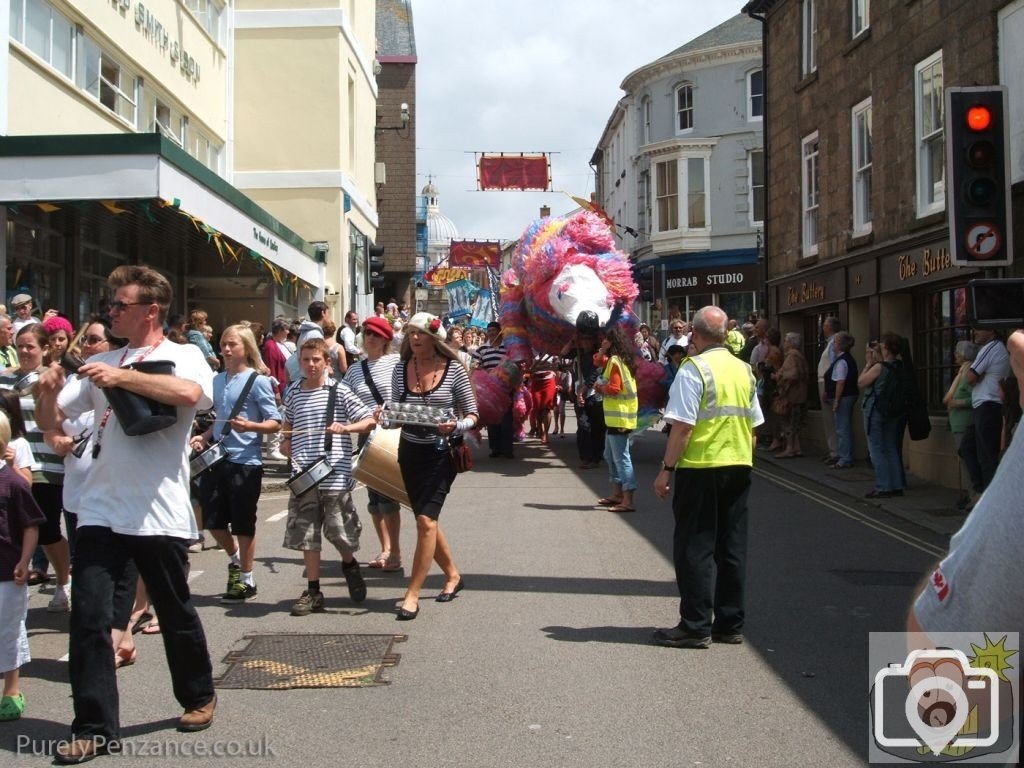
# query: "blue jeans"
844,430
884,436
620,463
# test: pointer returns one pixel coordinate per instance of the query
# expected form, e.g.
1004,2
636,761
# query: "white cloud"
528,76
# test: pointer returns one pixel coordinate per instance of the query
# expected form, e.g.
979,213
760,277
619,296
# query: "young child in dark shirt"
20,518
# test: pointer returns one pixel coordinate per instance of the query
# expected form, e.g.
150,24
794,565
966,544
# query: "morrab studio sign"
737,278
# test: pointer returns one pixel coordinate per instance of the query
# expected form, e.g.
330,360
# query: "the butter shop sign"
154,30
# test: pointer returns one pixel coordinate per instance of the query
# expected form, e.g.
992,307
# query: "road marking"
277,516
853,514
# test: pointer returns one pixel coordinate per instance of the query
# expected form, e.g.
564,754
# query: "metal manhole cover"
281,661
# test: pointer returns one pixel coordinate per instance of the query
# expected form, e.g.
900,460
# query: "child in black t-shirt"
20,518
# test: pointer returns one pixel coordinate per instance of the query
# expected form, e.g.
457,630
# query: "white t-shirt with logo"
139,486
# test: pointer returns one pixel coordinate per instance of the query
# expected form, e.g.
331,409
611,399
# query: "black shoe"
494,454
404,615
677,637
447,597
354,580
882,494
81,751
728,638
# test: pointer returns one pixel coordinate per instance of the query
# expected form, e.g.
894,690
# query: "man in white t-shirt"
981,442
829,327
134,505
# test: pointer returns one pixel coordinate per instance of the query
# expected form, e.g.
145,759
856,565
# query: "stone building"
856,211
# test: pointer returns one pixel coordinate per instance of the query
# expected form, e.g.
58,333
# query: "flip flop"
153,628
619,508
390,566
609,502
35,577
379,561
141,622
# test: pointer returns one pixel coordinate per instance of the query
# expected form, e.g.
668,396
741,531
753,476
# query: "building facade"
396,148
116,144
680,170
857,224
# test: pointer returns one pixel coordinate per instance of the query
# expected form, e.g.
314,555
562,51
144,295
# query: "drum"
214,454
310,477
377,465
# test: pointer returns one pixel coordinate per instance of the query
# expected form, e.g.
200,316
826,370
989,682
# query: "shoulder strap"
332,397
369,382
239,403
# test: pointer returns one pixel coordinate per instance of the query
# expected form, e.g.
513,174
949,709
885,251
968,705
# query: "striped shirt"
489,356
305,410
381,371
453,391
47,466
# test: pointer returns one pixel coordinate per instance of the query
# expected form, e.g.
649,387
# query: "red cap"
380,326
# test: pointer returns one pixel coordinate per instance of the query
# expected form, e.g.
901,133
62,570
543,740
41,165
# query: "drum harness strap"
239,403
376,396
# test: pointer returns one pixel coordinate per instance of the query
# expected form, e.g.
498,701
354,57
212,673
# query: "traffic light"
376,267
977,182
643,276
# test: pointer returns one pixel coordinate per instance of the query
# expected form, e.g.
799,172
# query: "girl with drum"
430,374
230,490
370,379
33,345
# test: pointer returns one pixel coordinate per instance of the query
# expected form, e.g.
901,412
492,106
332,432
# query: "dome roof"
440,230
430,190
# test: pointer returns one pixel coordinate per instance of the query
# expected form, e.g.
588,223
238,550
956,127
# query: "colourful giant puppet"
563,268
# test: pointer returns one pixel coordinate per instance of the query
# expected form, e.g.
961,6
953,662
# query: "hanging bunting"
112,206
47,207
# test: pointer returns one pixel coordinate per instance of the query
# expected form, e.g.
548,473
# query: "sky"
531,76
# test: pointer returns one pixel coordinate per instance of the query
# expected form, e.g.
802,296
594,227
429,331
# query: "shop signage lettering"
158,34
805,292
264,239
710,281
931,262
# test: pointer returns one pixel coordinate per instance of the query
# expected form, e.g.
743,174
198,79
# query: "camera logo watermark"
954,701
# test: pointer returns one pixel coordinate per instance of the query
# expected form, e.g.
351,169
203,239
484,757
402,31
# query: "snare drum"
377,465
310,477
213,455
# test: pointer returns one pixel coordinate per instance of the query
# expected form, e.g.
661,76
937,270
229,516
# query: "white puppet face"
577,288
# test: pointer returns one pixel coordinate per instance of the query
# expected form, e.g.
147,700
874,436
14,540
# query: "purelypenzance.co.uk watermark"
248,748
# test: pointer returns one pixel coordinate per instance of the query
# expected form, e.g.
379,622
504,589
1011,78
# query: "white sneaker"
61,601
277,456
196,546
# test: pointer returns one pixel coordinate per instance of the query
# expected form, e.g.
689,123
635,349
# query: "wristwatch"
668,468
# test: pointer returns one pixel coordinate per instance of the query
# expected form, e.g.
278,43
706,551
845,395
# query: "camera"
937,698
996,304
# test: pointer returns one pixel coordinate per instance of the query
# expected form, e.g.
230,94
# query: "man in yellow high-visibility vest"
713,409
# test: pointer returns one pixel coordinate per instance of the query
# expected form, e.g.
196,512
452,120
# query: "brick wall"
396,200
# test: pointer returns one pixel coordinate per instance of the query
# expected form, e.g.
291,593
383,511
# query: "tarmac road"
545,659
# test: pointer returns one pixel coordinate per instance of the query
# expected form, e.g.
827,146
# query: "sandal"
35,576
140,622
620,509
379,561
125,658
610,501
392,564
153,628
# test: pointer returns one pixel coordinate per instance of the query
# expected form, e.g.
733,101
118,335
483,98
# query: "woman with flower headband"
430,374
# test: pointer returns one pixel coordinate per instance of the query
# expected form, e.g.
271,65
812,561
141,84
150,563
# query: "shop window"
755,95
36,258
942,322
810,194
931,146
737,306
861,124
667,192
684,107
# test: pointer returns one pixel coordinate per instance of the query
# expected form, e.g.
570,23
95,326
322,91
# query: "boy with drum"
315,414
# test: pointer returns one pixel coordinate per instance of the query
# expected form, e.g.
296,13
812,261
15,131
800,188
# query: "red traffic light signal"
977,178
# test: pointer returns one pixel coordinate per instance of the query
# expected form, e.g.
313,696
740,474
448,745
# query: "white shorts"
13,637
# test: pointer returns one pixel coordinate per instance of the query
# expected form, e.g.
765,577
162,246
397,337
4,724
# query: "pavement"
545,659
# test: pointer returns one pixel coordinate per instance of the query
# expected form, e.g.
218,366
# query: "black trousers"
101,560
500,436
980,445
590,430
710,547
